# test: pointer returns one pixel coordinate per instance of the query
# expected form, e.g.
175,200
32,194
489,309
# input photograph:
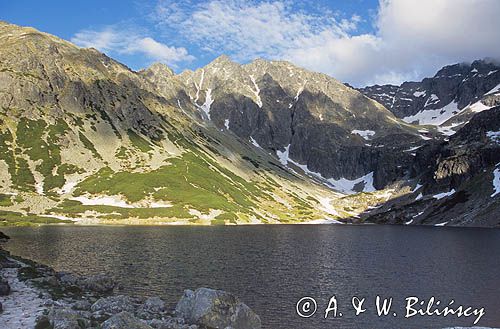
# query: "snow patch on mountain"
431,100
494,136
198,86
114,201
443,195
366,134
441,224
254,142
448,130
479,107
283,156
342,185
299,92
496,181
256,91
347,186
494,90
208,103
68,187
434,117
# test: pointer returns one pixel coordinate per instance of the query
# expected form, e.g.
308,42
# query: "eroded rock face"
216,309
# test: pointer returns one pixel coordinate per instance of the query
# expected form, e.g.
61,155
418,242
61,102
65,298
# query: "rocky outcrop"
216,309
468,152
455,181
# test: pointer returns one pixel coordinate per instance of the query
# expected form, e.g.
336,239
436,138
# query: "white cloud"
248,29
123,41
411,38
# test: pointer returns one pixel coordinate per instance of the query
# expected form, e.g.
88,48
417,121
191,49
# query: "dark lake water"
271,267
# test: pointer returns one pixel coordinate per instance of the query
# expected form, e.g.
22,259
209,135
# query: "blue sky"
357,41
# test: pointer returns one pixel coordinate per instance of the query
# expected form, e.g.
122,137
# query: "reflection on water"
272,267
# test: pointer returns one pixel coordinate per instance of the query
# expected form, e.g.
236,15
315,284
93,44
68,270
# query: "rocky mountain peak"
448,99
221,60
158,69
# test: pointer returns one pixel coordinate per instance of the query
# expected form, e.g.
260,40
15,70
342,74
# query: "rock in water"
4,287
216,309
124,320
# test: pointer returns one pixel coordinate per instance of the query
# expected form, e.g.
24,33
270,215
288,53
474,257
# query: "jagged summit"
158,69
449,99
222,59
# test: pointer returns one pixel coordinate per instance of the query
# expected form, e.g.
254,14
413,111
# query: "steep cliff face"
457,182
305,119
449,99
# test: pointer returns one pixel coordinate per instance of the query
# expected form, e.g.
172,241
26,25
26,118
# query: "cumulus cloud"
411,38
123,41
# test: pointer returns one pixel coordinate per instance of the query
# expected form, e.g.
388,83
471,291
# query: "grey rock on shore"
124,320
216,309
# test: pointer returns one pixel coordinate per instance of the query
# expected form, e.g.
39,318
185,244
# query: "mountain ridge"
86,138
447,100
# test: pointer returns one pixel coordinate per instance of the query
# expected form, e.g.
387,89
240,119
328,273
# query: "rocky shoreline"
36,296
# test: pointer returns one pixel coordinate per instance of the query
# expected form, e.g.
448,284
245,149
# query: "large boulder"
124,320
113,305
216,309
61,318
